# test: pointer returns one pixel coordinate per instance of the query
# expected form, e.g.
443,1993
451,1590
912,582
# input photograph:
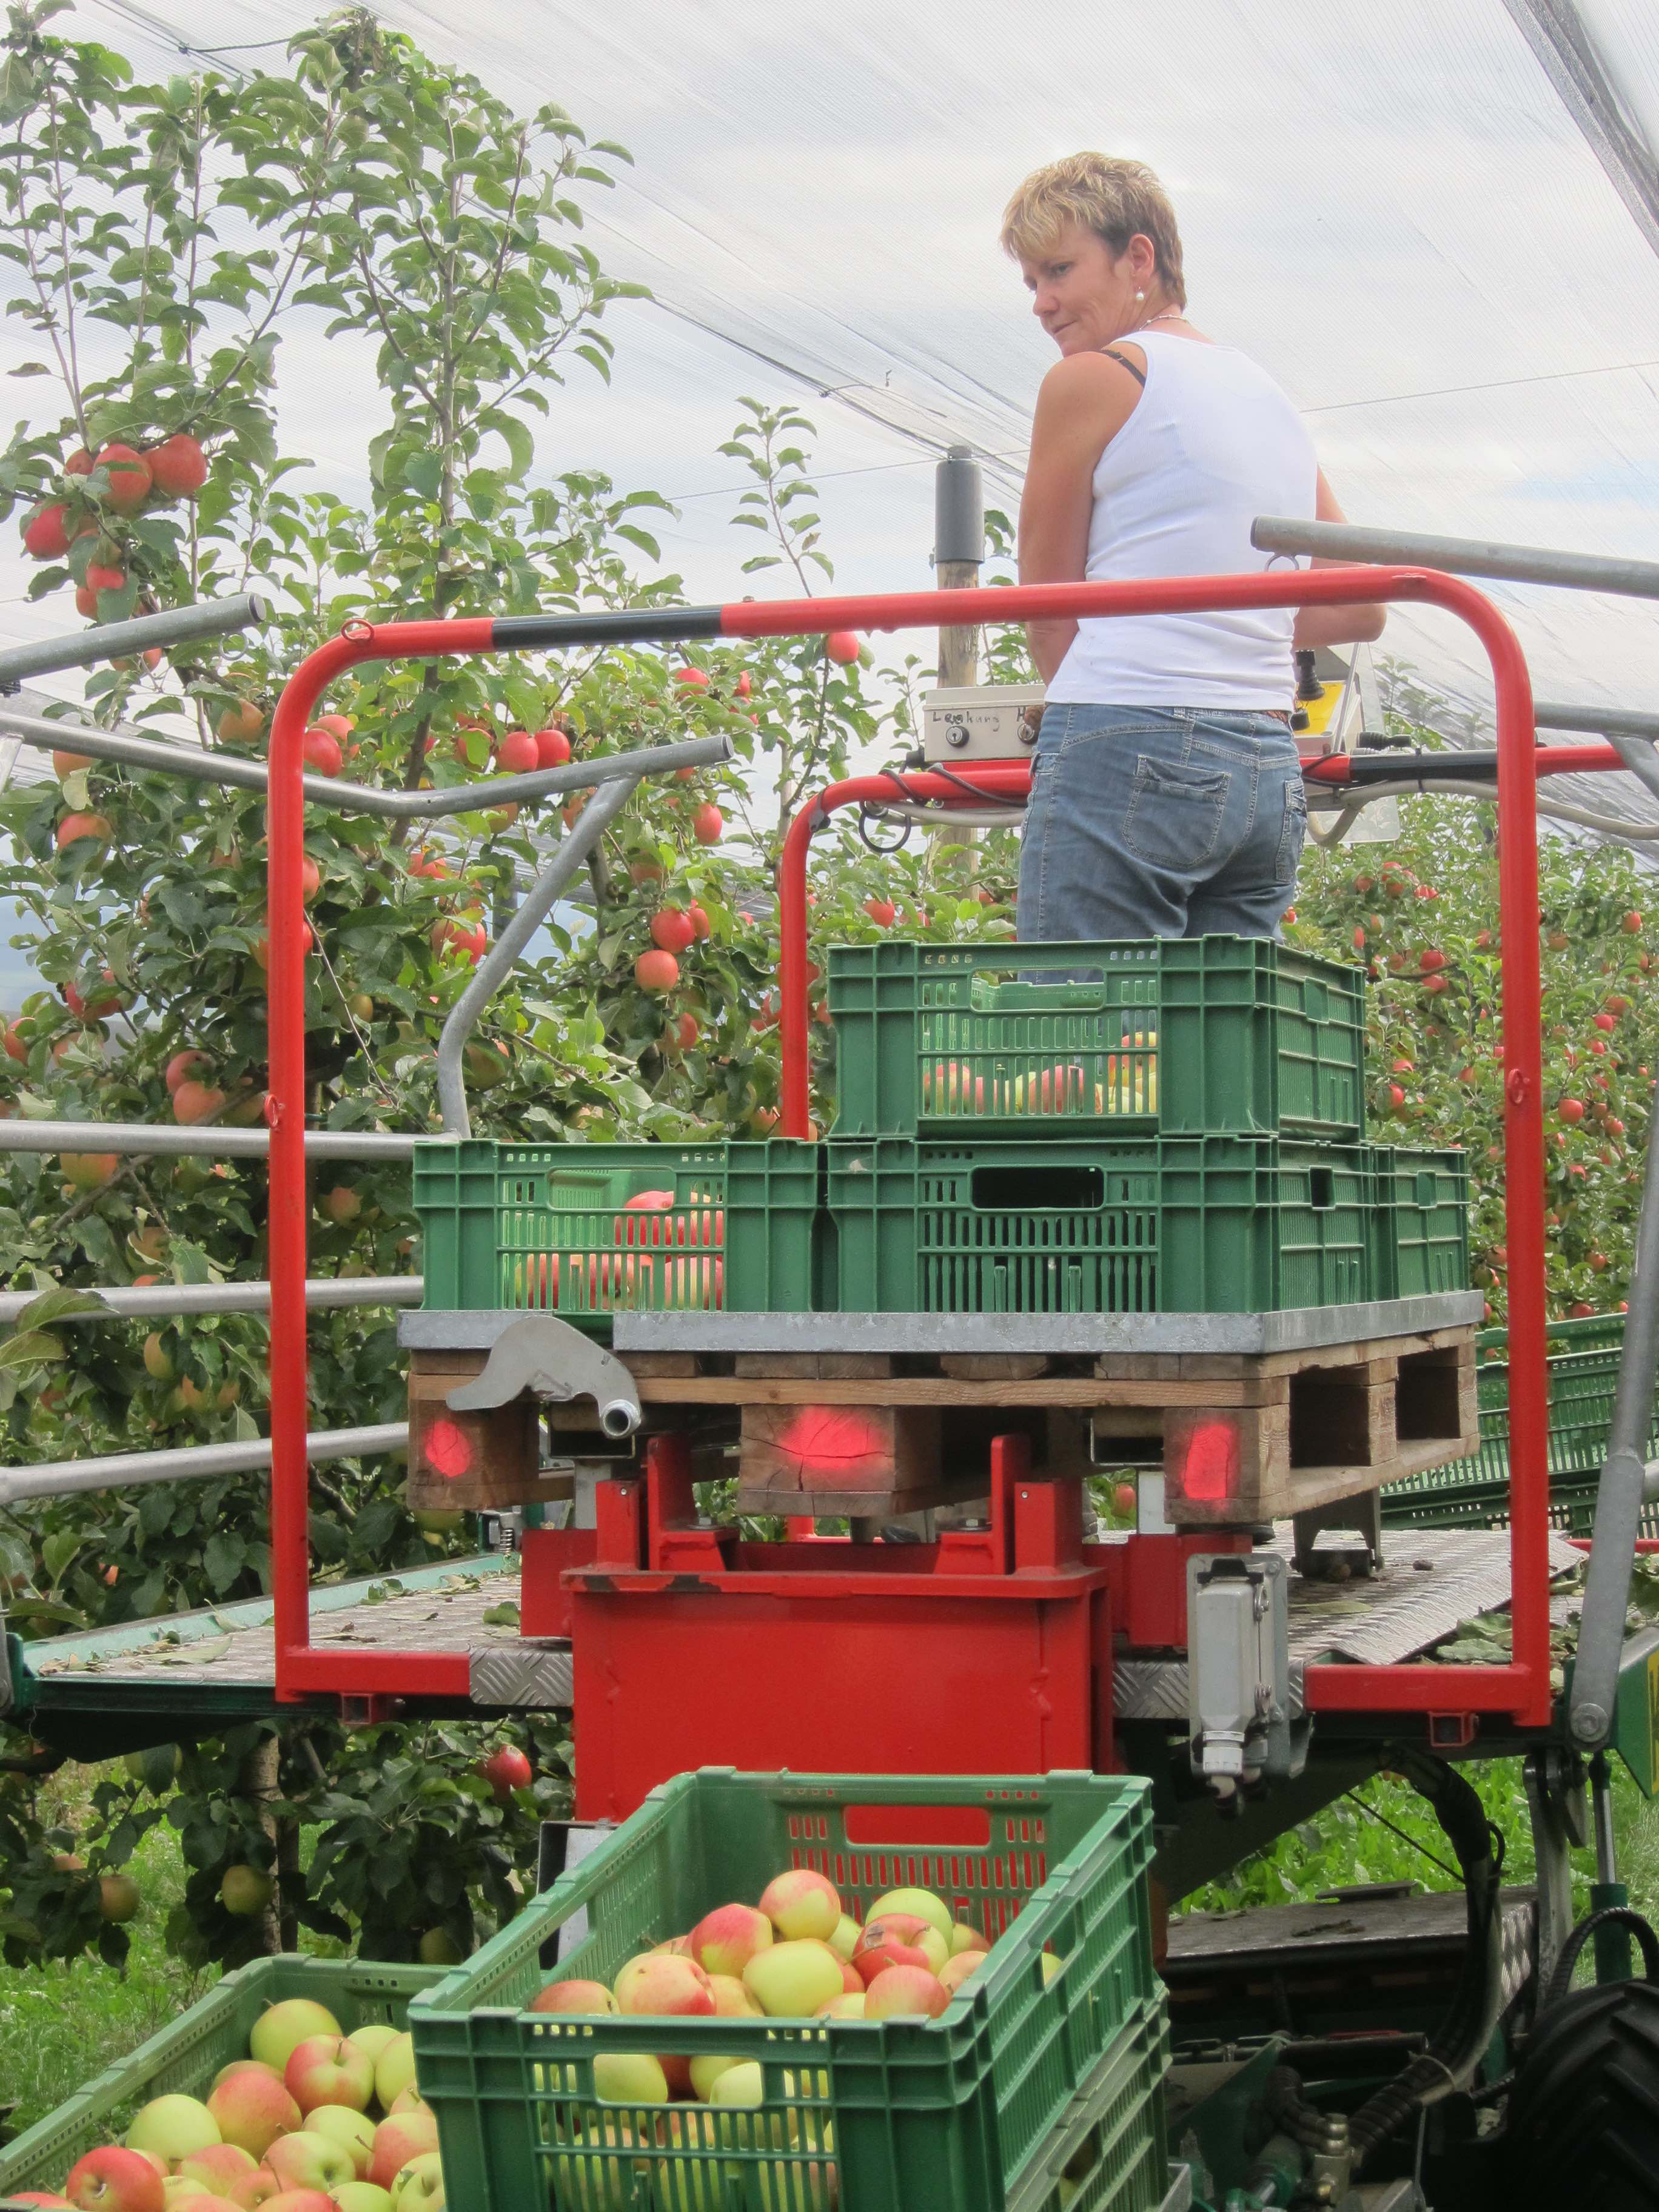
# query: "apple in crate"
394,2069
802,1903
419,2186
793,1979
664,1983
396,2141
280,2031
919,1904
726,1940
114,2179
353,2131
326,2069
573,1997
903,1993
172,2127
252,2108
309,2161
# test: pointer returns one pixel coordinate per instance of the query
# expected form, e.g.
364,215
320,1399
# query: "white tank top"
1213,443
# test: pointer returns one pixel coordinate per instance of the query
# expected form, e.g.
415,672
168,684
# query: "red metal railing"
1521,1688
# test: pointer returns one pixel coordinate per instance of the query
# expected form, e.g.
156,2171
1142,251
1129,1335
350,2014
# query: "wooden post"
958,554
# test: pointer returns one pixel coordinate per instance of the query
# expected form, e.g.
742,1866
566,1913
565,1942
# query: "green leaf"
517,436
53,1304
27,1350
424,473
58,1550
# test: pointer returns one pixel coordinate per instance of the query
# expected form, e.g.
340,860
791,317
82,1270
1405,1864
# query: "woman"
1166,793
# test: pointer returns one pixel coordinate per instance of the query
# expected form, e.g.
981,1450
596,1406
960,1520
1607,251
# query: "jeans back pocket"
1174,817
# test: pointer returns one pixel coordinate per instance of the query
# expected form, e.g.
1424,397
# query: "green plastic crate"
551,1227
1473,1492
1184,1036
1210,1225
183,2057
968,2111
1422,1221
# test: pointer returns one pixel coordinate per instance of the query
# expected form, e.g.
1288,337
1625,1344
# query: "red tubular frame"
1521,1689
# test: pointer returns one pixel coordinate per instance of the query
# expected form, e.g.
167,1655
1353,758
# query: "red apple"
694,679
699,920
518,753
1572,1109
252,2108
114,2179
75,829
686,1031
46,536
242,724
194,1101
177,466
656,971
906,1992
726,1940
672,929
129,478
85,1171
843,647
506,1770
403,2137
320,750
664,1983
573,1997
707,823
881,911
326,2069
552,748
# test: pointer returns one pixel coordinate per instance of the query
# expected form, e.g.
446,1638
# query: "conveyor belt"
197,1669
1434,1582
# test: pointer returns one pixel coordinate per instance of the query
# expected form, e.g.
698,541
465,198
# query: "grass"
62,2023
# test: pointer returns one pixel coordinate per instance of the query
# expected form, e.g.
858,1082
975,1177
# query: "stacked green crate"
590,1230
1159,1126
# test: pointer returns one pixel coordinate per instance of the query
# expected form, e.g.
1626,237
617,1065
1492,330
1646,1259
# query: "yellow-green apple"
742,2084
595,2180
731,2000
373,2038
394,2069
395,2141
921,1903
726,1940
279,2033
851,1980
693,2183
629,2077
302,2200
680,1943
419,2186
664,1984
705,2072
955,1972
363,2197
194,2198
243,1891
1050,1966
308,2161
173,2127
843,1937
218,2166
115,2180
177,2188
845,2007
793,1978
409,2100
251,2109
325,2070
573,1997
342,2124
801,1903
964,1938
904,1992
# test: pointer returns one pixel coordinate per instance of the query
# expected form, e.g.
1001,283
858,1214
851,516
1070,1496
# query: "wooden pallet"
1243,1439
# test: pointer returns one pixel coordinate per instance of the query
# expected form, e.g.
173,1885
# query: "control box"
981,722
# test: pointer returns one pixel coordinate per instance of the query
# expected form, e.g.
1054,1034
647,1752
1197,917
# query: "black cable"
1622,1916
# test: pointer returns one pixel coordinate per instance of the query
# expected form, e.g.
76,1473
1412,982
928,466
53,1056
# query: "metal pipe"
165,1300
180,626
1622,1489
63,1478
1552,714
1462,556
202,1141
497,964
1607,1847
204,767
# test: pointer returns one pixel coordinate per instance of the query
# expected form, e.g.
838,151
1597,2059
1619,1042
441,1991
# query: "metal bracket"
1239,1690
550,1359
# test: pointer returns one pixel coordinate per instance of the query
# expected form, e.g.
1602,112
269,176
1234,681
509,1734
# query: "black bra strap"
1124,361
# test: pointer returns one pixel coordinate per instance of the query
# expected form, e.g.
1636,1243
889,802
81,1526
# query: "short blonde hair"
1117,200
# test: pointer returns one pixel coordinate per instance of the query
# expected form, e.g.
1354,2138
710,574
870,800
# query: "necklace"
1163,315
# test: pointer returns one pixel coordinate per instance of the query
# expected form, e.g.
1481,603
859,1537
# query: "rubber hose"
1647,1942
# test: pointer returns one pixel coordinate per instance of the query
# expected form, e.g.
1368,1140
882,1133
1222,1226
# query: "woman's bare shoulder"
1086,384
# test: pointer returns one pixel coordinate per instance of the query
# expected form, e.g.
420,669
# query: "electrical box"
981,722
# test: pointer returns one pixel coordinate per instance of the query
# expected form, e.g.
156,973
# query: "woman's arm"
1355,625
1084,401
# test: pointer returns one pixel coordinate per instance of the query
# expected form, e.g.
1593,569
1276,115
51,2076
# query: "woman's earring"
1139,296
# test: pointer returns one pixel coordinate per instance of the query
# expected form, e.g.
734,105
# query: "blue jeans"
1160,821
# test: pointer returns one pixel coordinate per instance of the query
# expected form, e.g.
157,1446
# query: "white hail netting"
1391,208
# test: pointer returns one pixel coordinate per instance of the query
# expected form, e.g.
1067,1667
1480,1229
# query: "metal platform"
1297,1329
158,1680
1435,1581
